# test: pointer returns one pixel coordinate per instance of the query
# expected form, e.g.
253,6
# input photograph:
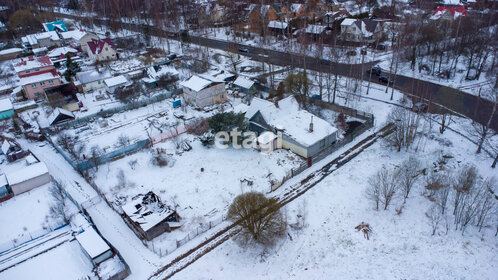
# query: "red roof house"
449,12
100,50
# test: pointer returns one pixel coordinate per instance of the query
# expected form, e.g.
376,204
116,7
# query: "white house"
300,131
44,39
113,83
203,91
361,30
93,79
28,178
79,37
101,50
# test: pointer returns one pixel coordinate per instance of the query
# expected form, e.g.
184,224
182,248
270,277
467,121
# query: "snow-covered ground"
400,246
26,216
67,261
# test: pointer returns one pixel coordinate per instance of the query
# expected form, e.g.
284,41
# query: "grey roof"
93,75
369,24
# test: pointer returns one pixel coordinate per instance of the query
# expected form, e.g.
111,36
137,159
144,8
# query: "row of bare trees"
461,197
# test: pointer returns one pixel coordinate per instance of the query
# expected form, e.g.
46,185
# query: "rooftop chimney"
311,124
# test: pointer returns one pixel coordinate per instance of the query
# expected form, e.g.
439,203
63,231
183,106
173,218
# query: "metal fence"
119,109
165,249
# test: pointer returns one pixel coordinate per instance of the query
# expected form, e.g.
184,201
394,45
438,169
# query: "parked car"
351,53
244,50
375,70
384,79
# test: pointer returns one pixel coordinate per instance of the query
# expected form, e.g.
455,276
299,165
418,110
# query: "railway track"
288,194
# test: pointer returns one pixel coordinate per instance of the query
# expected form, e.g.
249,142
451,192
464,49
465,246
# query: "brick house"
36,74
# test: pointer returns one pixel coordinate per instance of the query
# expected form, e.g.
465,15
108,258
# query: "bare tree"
259,217
406,127
123,140
383,187
408,175
434,215
59,208
466,180
95,153
487,202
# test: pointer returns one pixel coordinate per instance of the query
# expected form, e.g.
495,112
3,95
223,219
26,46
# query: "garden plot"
133,125
199,184
27,216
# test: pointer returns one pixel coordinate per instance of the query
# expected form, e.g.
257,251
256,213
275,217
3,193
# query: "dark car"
375,70
244,50
384,79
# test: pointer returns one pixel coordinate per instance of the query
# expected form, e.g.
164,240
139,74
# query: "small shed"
244,84
60,115
28,178
113,83
12,151
94,246
10,53
6,109
150,217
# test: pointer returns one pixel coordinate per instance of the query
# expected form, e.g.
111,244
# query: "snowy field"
27,216
67,261
400,246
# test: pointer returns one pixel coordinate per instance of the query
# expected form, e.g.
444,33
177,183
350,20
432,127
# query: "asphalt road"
458,101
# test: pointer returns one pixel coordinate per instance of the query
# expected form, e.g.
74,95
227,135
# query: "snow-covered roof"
93,75
59,111
3,180
295,7
96,46
27,63
5,146
32,39
455,12
11,50
62,50
37,78
73,34
314,29
277,24
240,109
147,215
266,137
52,26
165,70
92,243
116,81
196,83
348,21
39,50
243,82
5,104
293,120
26,173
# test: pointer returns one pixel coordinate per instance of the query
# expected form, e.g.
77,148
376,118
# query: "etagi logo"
266,142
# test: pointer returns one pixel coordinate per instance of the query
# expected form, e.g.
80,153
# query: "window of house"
33,85
42,83
322,143
98,82
37,69
222,96
27,71
51,81
106,49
